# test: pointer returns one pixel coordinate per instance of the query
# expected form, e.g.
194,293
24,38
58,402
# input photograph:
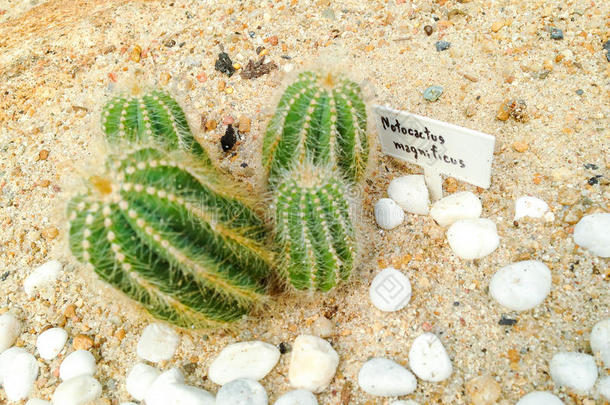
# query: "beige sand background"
58,61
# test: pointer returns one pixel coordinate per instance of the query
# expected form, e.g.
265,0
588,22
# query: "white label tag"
449,149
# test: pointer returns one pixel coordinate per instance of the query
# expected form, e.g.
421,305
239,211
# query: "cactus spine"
161,226
314,149
321,118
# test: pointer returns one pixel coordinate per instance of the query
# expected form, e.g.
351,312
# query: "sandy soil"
60,60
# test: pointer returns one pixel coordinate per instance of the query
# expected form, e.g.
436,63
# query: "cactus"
153,117
314,229
320,118
163,227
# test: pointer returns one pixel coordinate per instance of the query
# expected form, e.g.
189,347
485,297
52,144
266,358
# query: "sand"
59,61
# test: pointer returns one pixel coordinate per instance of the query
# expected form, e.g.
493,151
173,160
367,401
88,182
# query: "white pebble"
80,362
540,398
388,214
37,402
42,277
77,391
522,285
410,193
50,342
158,390
140,379
390,290
383,377
253,360
313,363
242,391
600,340
530,207
574,370
462,205
473,238
157,343
322,327
10,328
18,371
297,397
180,394
428,358
591,232
603,387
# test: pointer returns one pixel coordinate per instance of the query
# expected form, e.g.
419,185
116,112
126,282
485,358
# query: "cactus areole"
320,118
160,226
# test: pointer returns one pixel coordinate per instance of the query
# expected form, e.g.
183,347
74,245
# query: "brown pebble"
244,124
221,85
497,26
82,342
567,196
49,233
520,146
428,30
211,125
43,154
164,78
503,113
70,311
44,183
228,120
573,215
273,40
120,334
483,390
451,185
135,54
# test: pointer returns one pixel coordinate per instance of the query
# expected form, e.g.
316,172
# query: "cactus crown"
161,226
314,229
320,118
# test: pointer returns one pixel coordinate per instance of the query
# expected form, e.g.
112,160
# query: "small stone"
473,238
228,140
428,358
433,93
497,26
591,233
77,391
322,327
82,342
180,394
390,290
164,78
442,45
210,125
242,392
603,387
139,379
520,146
18,371
157,343
410,193
522,285
257,69
580,92
531,207
43,154
516,109
159,392
600,340
80,362
428,30
483,390
273,40
10,327
50,233
50,342
462,205
540,398
556,34
42,277
567,196
297,397
573,215
574,370
244,124
253,360
383,377
224,64
388,214
313,363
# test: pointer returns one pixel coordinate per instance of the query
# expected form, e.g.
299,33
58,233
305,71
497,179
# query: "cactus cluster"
315,149
163,227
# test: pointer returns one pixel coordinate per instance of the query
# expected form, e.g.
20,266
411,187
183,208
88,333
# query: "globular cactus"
320,118
151,117
162,226
314,229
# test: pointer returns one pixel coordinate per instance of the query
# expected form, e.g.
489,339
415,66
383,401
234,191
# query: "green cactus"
314,229
153,117
320,118
163,226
